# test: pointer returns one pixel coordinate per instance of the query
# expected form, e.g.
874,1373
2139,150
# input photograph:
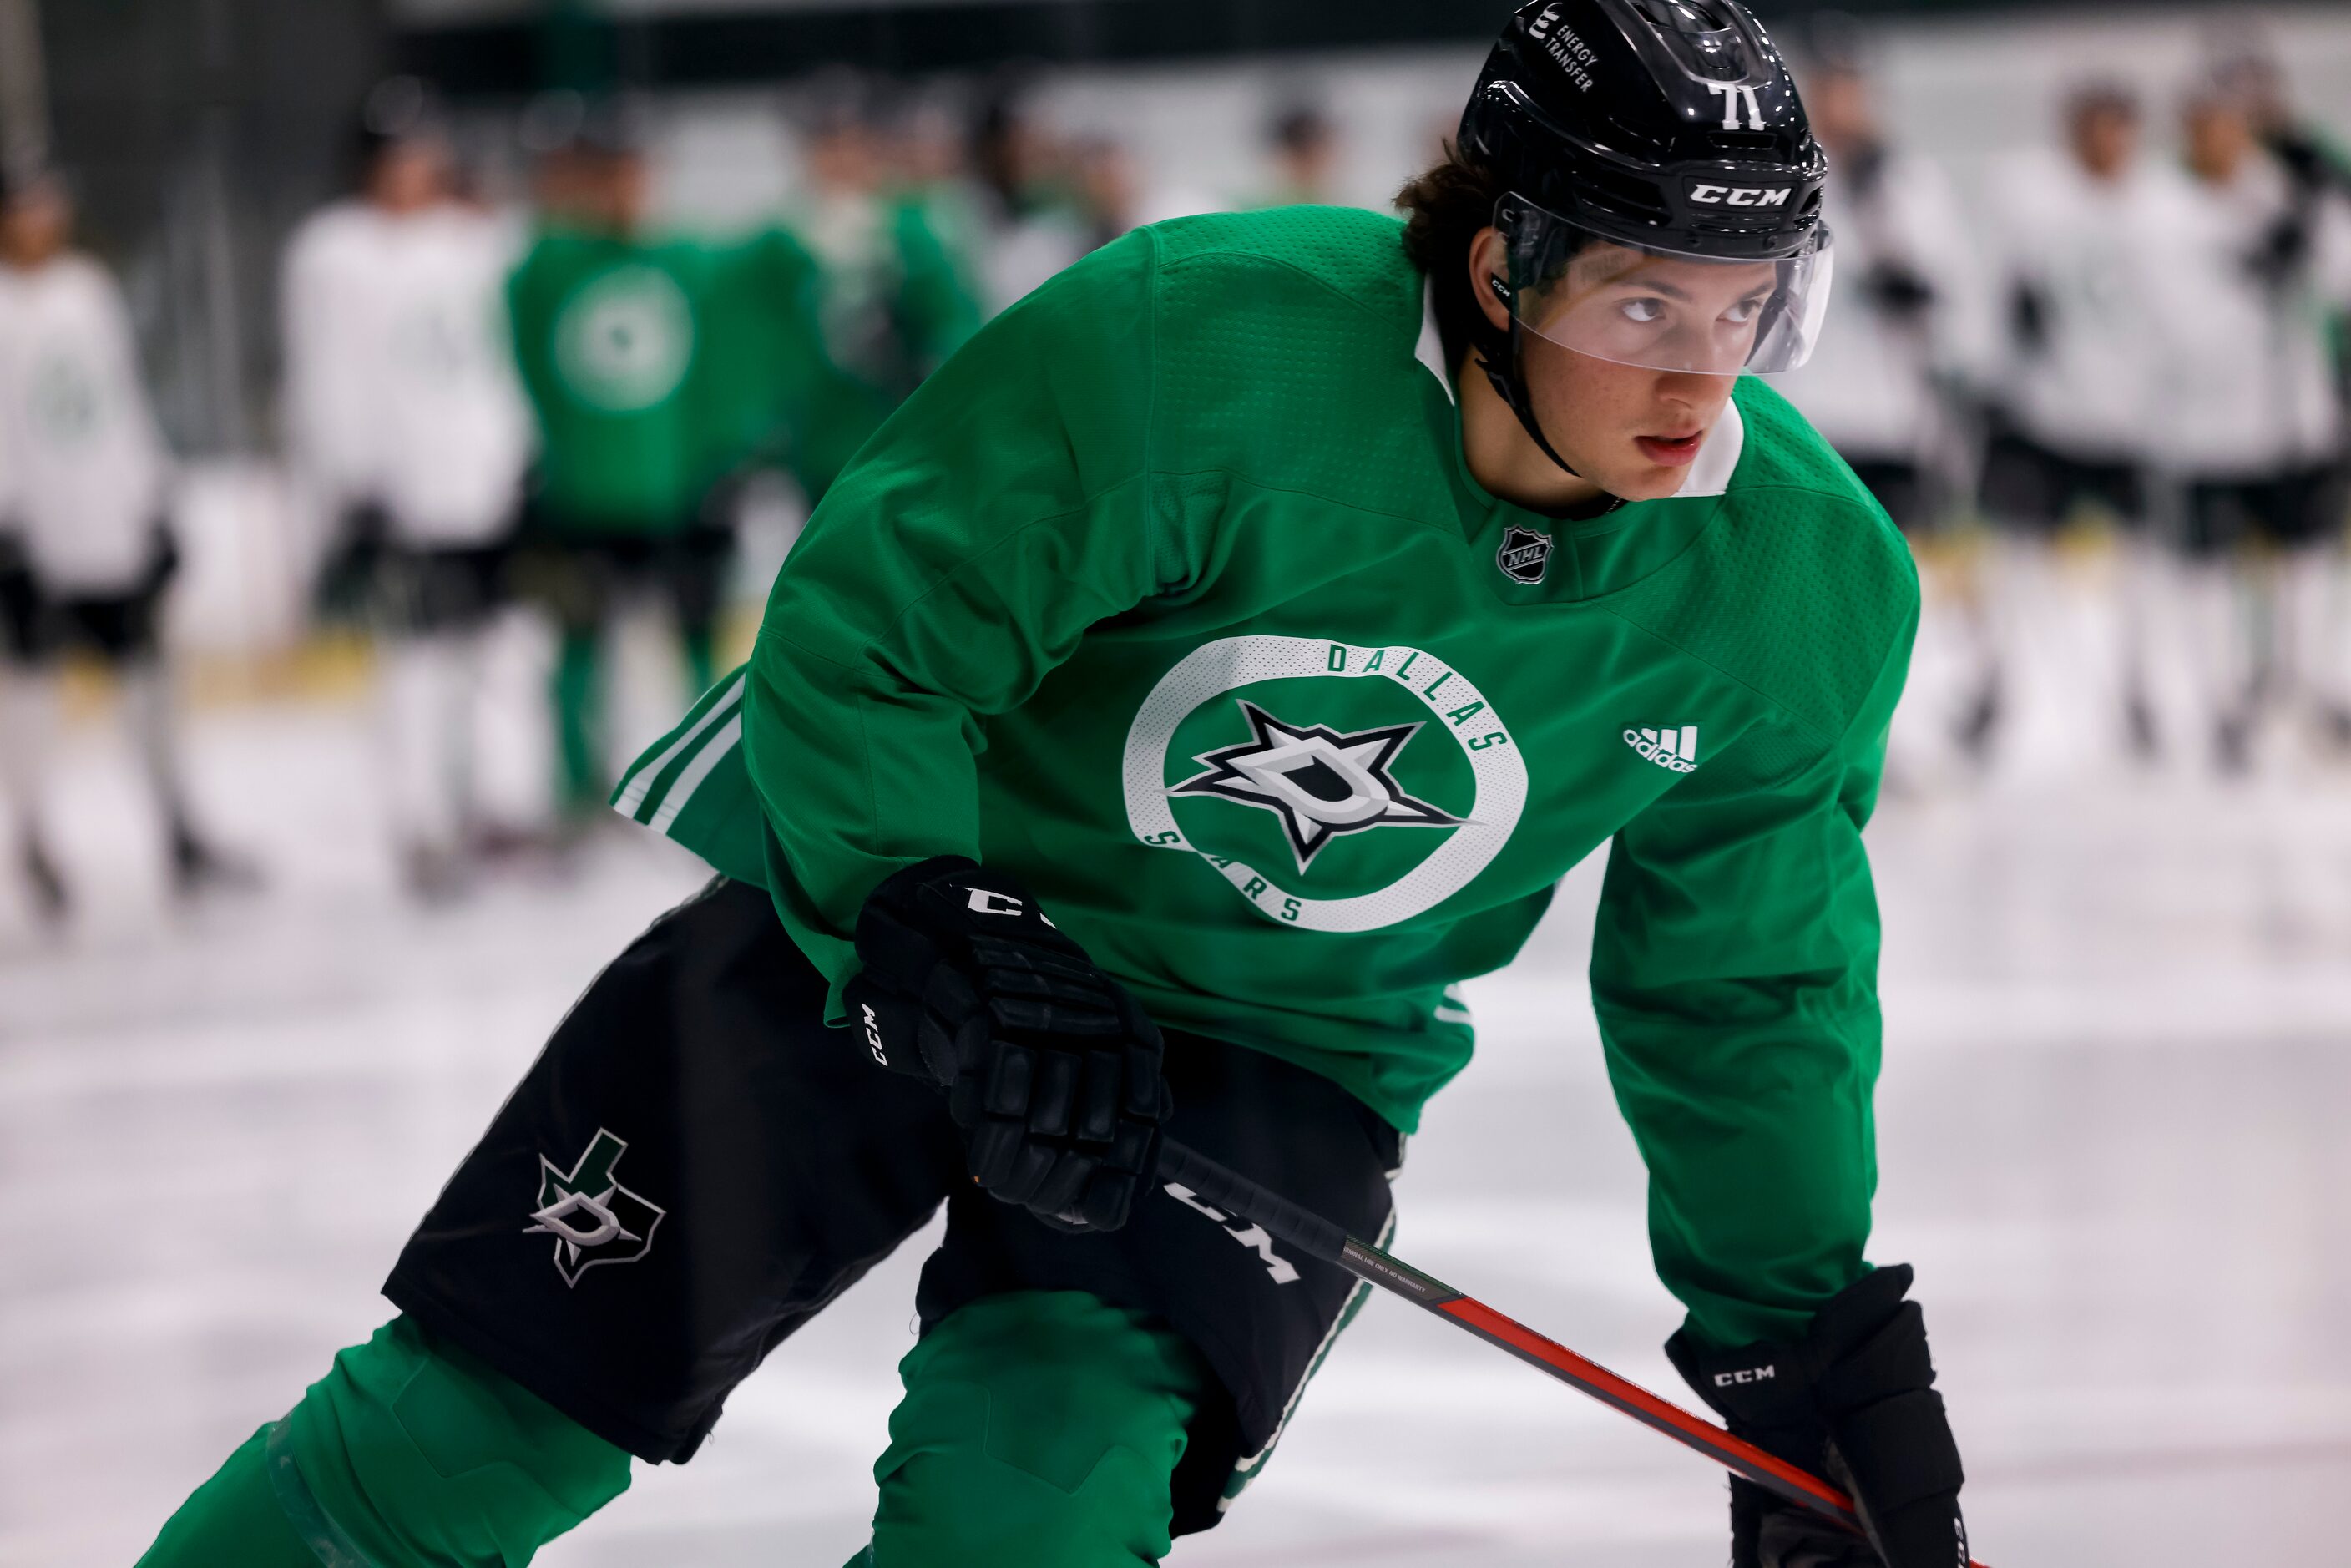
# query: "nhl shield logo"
593,1218
1525,555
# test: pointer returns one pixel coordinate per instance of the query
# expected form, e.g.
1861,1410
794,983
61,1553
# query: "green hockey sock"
579,691
408,1453
701,644
1040,1430
233,1520
421,1453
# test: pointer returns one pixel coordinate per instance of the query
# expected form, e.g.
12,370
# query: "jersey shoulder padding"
1357,255
1285,343
1802,589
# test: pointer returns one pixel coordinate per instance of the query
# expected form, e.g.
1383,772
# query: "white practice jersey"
1868,387
86,467
2092,250
2248,388
401,386
854,239
1019,254
324,405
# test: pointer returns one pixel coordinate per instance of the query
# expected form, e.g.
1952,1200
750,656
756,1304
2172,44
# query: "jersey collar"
1709,476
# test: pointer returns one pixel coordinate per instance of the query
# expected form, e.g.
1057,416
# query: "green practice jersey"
609,338
1172,593
773,392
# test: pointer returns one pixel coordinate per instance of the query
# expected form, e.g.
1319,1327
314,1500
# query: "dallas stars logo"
593,1218
1321,783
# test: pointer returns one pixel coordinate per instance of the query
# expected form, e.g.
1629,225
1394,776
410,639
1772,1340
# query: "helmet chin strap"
1510,379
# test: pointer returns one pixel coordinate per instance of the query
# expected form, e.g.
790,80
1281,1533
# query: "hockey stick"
1198,1177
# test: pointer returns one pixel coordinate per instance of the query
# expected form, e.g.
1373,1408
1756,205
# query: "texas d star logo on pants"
593,1218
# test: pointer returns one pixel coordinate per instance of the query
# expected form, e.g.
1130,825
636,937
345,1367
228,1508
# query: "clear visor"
1662,309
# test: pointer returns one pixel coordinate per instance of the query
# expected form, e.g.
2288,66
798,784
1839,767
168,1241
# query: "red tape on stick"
1318,1238
1637,1402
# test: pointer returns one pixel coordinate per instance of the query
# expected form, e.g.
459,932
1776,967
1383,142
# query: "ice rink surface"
2112,1130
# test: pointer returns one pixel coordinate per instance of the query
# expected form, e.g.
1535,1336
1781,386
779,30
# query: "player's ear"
1489,275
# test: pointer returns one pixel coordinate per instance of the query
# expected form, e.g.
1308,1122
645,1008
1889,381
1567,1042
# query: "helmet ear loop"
1510,383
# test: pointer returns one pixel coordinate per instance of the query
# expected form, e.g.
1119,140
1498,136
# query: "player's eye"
1644,310
1746,310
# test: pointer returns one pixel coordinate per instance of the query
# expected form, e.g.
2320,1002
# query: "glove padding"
2283,253
1051,1067
1855,1403
1901,293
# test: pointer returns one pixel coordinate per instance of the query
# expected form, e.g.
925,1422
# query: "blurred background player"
2079,234
2318,167
612,337
1031,227
932,157
1108,190
1882,382
404,412
2253,420
87,489
893,300
1303,149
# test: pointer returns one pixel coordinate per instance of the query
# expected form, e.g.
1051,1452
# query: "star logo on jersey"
593,1218
1320,783
625,340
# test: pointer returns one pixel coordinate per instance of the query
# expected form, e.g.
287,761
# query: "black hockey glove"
1050,1068
162,557
1900,293
1855,1404
349,568
2283,253
2307,160
2029,317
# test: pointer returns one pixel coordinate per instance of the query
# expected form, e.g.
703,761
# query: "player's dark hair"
1299,128
1445,205
22,183
2101,95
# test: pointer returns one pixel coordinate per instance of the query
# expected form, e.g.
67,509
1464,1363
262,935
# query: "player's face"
37,225
1637,308
847,159
410,176
618,188
1632,431
2105,138
1843,117
2219,138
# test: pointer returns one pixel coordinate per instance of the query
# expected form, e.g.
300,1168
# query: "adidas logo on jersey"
1674,750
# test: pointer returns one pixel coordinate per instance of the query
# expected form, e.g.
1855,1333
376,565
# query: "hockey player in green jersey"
612,336
1219,659
656,367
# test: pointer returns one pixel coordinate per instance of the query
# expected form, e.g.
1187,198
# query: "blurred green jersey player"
658,369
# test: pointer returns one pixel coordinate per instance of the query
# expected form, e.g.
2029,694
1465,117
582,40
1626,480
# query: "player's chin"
1638,479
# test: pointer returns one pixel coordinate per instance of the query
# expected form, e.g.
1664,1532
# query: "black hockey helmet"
399,111
1663,189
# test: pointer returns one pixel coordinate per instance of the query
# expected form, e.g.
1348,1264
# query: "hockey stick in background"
1202,1178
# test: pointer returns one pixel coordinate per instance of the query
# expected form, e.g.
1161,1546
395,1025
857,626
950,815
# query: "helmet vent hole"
1632,198
1745,141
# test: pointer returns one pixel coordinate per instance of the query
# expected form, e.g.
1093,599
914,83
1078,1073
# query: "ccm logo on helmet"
1740,196
1753,1374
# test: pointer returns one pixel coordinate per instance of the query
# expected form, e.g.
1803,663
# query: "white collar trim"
1709,476
1430,350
